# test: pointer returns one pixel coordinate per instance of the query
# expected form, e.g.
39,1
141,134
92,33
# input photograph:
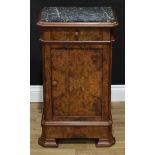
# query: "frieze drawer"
72,34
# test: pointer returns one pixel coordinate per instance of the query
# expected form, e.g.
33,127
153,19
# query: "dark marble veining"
77,14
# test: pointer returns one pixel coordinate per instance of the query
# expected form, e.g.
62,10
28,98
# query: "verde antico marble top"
77,14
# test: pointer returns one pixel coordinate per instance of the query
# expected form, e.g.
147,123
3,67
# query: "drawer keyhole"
77,35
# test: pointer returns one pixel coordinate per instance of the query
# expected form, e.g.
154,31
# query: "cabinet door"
77,83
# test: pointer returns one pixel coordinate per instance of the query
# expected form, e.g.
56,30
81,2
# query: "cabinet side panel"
106,82
47,83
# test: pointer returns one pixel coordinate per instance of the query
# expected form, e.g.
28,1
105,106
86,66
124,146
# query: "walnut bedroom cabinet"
77,58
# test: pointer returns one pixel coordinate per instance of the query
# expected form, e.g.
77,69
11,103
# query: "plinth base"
47,143
105,143
52,131
53,143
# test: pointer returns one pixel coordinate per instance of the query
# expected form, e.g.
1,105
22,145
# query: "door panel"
77,77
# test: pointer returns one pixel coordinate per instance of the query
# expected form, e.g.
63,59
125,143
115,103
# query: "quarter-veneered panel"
77,76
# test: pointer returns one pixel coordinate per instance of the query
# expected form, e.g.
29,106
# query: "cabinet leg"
47,143
105,142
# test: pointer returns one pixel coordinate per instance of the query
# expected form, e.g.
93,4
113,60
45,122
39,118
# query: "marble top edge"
77,14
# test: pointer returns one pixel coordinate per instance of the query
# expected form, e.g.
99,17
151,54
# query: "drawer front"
77,34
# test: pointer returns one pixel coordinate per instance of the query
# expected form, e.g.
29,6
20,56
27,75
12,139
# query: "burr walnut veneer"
77,58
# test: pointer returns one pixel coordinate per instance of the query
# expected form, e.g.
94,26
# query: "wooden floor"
75,147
